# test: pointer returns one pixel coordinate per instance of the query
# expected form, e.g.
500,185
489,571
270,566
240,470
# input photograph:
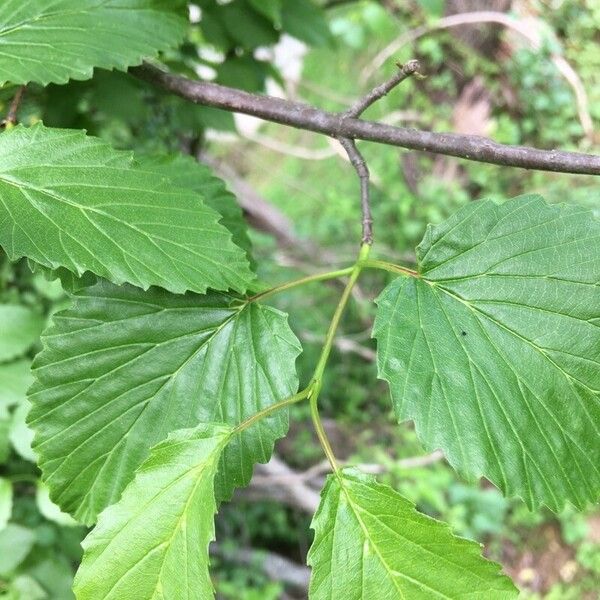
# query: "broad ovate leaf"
370,542
154,542
494,348
20,328
52,41
69,200
122,368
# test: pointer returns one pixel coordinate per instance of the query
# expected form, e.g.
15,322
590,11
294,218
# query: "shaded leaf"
15,379
68,200
20,435
123,368
154,542
20,327
48,509
52,42
494,350
15,544
370,542
305,21
6,501
187,173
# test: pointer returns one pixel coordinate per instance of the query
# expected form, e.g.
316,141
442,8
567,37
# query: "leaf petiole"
265,412
388,266
302,281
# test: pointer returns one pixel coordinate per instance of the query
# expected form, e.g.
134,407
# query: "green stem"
302,281
387,266
326,351
265,412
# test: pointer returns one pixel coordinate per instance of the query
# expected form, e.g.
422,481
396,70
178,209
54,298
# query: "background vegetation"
301,197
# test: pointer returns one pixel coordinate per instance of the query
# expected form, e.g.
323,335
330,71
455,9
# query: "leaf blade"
370,542
494,350
68,200
123,34
164,517
187,173
122,368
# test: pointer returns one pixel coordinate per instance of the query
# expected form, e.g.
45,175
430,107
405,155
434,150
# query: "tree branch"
11,115
275,566
303,116
356,158
404,72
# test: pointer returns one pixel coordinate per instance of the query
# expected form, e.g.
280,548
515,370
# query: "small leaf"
24,587
270,9
6,501
257,30
20,435
305,21
20,328
370,542
16,378
15,544
154,542
494,349
49,510
68,200
122,368
52,42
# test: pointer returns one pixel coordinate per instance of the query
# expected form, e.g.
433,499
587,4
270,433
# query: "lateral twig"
11,115
404,71
356,158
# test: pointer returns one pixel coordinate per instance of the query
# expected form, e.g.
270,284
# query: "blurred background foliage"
301,198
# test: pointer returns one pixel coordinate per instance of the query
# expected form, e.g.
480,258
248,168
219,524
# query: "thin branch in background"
309,118
529,32
275,566
276,480
11,115
404,72
349,145
343,344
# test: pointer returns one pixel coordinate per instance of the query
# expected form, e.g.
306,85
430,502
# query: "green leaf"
16,378
4,432
370,542
20,435
24,587
15,544
270,9
123,368
154,542
6,501
20,327
52,42
256,30
68,200
48,509
187,173
494,349
305,21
